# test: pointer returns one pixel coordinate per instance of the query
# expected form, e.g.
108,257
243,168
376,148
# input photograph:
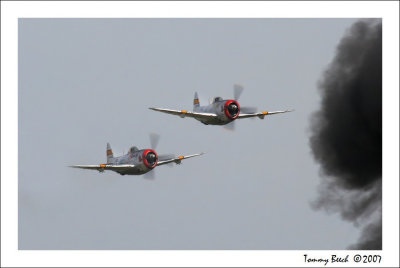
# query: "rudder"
110,154
196,102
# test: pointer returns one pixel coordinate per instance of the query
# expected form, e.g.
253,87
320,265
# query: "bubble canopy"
133,149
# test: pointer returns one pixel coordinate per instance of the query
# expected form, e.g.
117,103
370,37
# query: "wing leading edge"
184,113
177,160
103,167
261,115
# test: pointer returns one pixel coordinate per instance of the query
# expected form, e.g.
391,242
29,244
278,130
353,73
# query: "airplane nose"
151,158
233,109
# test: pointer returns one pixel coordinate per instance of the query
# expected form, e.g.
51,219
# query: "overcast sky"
86,82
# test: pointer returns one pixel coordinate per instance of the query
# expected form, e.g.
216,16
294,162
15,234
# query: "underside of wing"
261,115
102,167
185,113
177,160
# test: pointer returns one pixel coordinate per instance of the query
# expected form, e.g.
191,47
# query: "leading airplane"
137,162
220,111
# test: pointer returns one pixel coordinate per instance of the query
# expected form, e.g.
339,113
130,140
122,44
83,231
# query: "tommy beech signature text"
332,259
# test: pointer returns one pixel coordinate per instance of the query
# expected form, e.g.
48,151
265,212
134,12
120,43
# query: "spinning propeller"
237,91
154,139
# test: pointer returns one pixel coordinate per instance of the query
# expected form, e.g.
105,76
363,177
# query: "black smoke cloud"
346,132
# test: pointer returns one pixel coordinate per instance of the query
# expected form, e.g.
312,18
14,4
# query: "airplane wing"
184,113
261,115
177,160
102,167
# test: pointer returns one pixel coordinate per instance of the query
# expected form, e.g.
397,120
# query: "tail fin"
196,102
110,154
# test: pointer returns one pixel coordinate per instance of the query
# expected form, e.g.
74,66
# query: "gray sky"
86,82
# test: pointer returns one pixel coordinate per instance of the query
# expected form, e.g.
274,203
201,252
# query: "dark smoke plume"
347,132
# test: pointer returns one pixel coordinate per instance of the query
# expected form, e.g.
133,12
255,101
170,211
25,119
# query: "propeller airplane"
137,162
220,111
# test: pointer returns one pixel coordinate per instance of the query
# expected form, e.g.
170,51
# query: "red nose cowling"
150,158
232,109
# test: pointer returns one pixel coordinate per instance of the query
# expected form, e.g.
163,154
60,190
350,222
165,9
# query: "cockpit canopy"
133,149
217,99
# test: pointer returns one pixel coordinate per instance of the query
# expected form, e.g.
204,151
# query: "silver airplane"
220,111
137,162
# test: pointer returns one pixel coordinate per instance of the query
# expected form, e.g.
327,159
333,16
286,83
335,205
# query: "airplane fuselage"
226,111
143,160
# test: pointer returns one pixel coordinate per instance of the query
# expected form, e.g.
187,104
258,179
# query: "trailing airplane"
220,111
137,162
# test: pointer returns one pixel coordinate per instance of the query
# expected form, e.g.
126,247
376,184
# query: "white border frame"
11,11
